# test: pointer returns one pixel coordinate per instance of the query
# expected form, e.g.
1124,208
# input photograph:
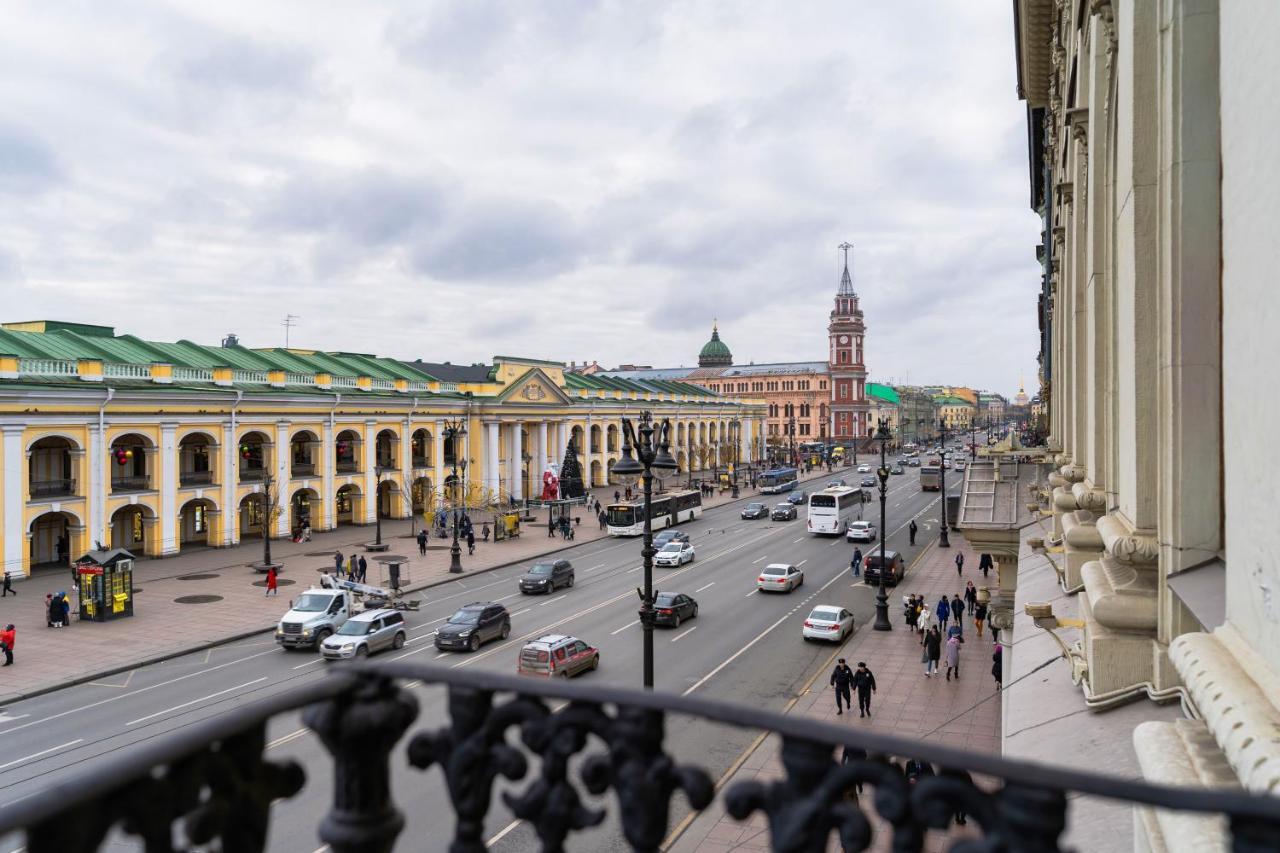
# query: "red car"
556,655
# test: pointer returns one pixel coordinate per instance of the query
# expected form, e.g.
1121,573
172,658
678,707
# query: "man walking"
363,567
985,564
959,563
865,683
979,616
8,586
856,563
842,680
943,612
957,612
422,543
471,542
911,531
337,563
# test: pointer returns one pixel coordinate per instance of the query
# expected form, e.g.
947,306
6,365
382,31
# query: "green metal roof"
884,392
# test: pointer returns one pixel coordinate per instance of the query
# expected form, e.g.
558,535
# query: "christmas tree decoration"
571,475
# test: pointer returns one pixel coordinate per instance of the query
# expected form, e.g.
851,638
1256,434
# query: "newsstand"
105,583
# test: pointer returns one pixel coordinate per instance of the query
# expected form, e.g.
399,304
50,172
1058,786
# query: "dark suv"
474,625
547,576
896,570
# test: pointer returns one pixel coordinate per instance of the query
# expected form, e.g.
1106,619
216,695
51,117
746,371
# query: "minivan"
556,655
896,568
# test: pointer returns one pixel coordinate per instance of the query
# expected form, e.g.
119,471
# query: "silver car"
364,634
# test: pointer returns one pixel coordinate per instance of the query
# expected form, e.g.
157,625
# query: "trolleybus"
777,481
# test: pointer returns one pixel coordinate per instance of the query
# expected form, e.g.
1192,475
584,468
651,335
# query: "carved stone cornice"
1063,500
1121,596
1080,531
1065,191
1128,547
1089,497
1071,472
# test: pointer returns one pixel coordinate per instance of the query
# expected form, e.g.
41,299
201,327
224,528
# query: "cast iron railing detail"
208,785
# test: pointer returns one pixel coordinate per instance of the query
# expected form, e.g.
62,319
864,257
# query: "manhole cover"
197,599
280,581
318,554
197,577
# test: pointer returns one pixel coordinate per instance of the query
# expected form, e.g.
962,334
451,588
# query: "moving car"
674,554
779,577
673,608
799,497
556,654
959,466
896,568
837,484
547,576
827,622
669,535
313,616
755,510
473,625
365,633
864,468
868,480
860,531
914,462
783,512
896,469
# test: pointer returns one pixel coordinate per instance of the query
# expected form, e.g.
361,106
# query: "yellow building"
157,446
956,412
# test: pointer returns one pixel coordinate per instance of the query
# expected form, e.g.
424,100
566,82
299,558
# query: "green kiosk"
104,580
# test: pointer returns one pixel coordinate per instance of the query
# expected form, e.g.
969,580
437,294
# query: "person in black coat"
932,651
911,531
842,680
997,666
985,564
865,683
957,612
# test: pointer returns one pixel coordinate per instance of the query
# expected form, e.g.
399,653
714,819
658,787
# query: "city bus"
665,510
777,481
831,509
930,478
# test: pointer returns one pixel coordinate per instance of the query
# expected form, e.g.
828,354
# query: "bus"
665,510
930,478
777,481
831,509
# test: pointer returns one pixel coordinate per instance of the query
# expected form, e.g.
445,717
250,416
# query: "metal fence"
212,780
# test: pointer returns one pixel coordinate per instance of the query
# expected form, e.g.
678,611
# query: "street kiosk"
104,580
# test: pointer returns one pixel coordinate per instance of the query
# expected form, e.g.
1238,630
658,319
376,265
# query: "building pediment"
535,387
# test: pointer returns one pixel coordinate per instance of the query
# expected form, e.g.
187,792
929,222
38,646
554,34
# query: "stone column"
283,475
437,463
543,455
96,488
230,478
492,455
15,475
515,465
406,469
369,458
328,495
168,477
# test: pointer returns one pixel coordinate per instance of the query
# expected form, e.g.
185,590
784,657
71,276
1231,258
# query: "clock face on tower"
844,339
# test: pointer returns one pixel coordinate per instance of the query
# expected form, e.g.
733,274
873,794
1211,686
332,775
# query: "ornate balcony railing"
302,469
195,478
133,483
52,488
212,781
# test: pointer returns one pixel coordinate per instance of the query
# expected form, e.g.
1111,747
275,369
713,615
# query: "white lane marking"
293,735
801,539
518,612
758,638
505,597
753,592
708,586
502,644
802,562
196,701
120,696
461,584
310,662
554,600
5,718
442,655
762,556
426,625
636,569
498,837
592,569
414,651
623,628
684,634
41,752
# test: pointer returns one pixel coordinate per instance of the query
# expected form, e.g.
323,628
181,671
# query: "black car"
755,510
868,480
895,572
896,469
783,512
547,577
663,537
673,608
798,497
473,626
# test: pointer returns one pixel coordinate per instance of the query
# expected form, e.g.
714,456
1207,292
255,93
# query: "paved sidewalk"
162,627
962,713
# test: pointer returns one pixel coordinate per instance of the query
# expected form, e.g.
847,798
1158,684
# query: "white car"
779,577
959,466
860,531
828,622
674,554
864,469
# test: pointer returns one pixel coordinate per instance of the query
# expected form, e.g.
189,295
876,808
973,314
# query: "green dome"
714,353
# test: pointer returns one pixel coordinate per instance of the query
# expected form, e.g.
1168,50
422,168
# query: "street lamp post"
652,458
943,540
453,430
378,473
791,428
528,487
882,622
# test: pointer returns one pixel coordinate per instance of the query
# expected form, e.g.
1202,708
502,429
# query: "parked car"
556,654
779,577
364,634
662,537
674,554
798,497
547,576
860,531
896,469
473,625
868,480
755,510
864,468
827,622
895,571
785,511
673,608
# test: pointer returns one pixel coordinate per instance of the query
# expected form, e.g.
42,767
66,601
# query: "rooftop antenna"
846,281
289,324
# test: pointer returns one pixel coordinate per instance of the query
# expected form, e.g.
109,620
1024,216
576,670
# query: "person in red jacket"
6,642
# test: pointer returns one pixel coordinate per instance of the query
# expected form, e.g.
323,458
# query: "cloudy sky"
563,179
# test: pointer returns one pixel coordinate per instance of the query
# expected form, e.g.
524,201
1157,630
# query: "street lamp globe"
627,469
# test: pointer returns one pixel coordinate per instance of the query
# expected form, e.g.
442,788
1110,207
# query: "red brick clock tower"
849,407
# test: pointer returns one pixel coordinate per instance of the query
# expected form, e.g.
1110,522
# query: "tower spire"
846,281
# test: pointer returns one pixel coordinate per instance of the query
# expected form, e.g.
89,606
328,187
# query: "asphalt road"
744,646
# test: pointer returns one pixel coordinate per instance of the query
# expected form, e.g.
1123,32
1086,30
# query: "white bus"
666,510
831,509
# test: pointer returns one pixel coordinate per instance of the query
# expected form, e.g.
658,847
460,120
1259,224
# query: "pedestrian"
853,755
943,611
911,531
970,596
363,567
959,563
551,529
603,519
65,612
48,609
979,616
6,643
995,634
865,683
997,666
932,651
909,611
471,542
271,582
55,611
856,562
925,620
8,586
985,564
842,680
422,543
915,769
353,566
337,562
572,533
953,655
957,612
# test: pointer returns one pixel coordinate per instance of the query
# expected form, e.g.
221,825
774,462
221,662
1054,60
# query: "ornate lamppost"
453,430
378,473
882,622
652,458
527,457
791,429
943,540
